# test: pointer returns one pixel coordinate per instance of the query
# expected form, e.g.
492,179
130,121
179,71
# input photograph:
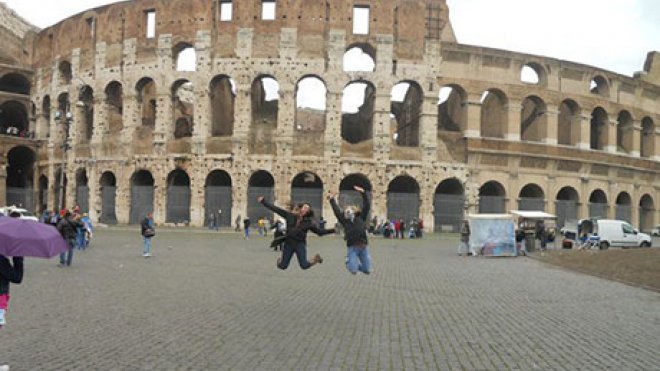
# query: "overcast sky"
611,34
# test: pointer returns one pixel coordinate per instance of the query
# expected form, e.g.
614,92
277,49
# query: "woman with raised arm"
299,221
354,222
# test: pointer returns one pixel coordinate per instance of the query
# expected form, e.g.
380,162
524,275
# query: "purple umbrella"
20,237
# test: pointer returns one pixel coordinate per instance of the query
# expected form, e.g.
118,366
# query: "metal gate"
20,197
108,195
255,209
645,220
623,212
82,198
448,212
403,206
142,202
491,205
218,198
598,210
313,196
566,210
531,204
354,198
178,204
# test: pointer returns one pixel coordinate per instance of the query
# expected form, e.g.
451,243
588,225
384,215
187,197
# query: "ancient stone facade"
465,134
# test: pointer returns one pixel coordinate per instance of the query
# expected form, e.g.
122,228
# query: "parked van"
619,233
6,211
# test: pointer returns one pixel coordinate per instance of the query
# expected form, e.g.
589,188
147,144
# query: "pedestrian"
354,223
148,232
246,227
217,218
237,223
67,226
463,246
299,221
397,228
402,228
211,221
9,273
280,231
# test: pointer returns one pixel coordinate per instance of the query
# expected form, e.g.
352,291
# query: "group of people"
397,228
75,227
14,131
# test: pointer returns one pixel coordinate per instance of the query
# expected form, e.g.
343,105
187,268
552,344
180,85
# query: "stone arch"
146,94
647,142
569,123
533,73
494,115
218,201
452,109
82,190
308,187
449,205
360,57
566,205
599,129
311,104
183,108
142,195
261,183
21,162
14,119
357,120
403,199
531,198
222,94
647,212
114,105
623,209
15,83
348,196
533,119
598,206
185,57
178,197
492,198
625,132
42,196
85,107
65,72
600,85
265,107
108,184
406,102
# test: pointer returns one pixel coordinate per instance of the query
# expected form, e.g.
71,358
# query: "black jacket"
355,231
297,227
145,225
67,228
9,273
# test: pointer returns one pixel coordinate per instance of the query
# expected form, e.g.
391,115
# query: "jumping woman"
299,221
354,221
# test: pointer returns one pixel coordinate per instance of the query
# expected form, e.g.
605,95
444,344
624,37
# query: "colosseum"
100,110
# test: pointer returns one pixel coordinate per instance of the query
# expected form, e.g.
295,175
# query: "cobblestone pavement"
213,301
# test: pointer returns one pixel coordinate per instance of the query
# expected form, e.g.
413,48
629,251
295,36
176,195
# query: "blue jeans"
247,232
80,239
358,259
67,256
147,246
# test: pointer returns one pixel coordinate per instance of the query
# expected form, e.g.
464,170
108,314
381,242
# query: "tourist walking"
237,223
298,221
246,227
68,228
148,232
354,223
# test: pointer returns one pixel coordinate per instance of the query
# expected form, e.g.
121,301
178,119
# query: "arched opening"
566,205
494,115
599,86
598,205
308,188
178,197
647,143
223,100
59,188
20,175
185,57
492,198
569,123
218,198
598,133
533,120
360,58
65,73
647,213
43,193
403,199
146,98
261,183
108,184
265,108
114,104
82,191
183,105
311,96
45,108
406,111
623,207
85,106
532,73
14,119
358,112
449,205
142,196
531,198
15,83
349,196
624,132
452,110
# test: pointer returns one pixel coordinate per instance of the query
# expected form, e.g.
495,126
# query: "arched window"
360,58
493,114
492,198
357,112
452,109
223,98
533,120
406,109
599,128
624,132
85,107
600,86
15,83
532,73
114,107
311,95
569,123
183,105
647,142
146,97
185,57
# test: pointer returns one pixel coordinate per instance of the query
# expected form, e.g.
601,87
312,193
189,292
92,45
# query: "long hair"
310,213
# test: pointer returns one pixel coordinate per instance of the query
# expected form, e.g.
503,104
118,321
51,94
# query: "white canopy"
535,215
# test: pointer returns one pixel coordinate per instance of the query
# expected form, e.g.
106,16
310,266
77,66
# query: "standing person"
68,227
246,227
397,228
211,221
217,219
280,231
237,223
402,228
9,273
463,246
354,223
299,221
148,232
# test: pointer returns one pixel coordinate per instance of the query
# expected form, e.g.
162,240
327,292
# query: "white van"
619,233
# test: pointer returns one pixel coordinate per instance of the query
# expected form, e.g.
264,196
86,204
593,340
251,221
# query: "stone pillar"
160,197
286,111
512,132
51,202
473,127
332,136
429,129
585,132
636,139
164,122
197,210
551,130
202,118
94,195
123,198
610,145
656,148
381,126
242,119
131,118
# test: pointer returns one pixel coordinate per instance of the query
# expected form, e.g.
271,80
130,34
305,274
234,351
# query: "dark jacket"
297,227
68,228
145,225
355,231
9,273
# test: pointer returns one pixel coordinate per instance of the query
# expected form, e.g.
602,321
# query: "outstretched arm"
336,209
273,208
321,232
365,203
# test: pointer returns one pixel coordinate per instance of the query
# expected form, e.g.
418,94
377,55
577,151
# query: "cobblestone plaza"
210,301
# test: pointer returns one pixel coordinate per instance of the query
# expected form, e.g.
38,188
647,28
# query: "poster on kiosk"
492,235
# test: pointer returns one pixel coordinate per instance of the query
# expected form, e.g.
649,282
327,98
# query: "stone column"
656,148
512,128
160,197
164,122
332,135
473,119
429,128
551,130
197,211
585,132
242,119
286,111
636,139
131,118
382,140
610,145
94,189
